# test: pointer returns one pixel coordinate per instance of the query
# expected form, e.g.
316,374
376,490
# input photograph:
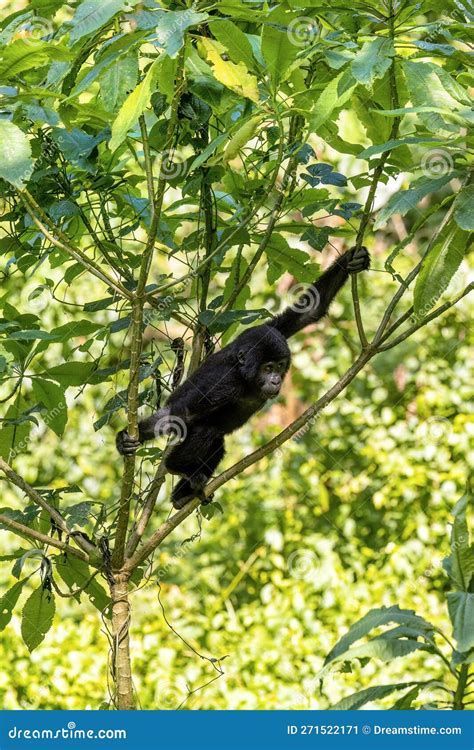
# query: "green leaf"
171,25
16,164
381,148
282,258
461,612
37,617
75,573
427,86
118,81
406,200
234,40
278,52
234,76
53,398
70,373
373,60
374,619
439,266
460,563
464,208
92,15
8,601
334,96
356,700
25,55
133,106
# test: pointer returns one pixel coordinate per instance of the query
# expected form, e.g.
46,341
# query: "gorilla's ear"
248,364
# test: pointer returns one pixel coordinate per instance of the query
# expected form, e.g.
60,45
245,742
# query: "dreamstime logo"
303,31
303,299
168,696
39,298
303,563
172,166
35,29
172,426
437,163
435,429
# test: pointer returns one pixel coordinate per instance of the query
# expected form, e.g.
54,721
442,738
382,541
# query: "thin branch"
415,271
20,528
435,314
367,212
90,265
35,496
138,301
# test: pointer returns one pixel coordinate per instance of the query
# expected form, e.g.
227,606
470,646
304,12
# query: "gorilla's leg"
195,460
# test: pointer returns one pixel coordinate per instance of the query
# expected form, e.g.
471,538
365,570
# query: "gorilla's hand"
126,445
358,259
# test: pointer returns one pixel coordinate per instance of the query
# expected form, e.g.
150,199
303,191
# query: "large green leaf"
460,563
356,700
406,200
334,96
234,40
16,164
171,25
234,76
118,81
373,60
374,619
37,617
439,266
53,399
8,601
75,574
464,208
70,373
461,612
428,87
133,106
278,51
92,15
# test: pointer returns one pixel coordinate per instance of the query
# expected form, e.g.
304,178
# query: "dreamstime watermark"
437,163
302,298
172,166
168,696
66,733
303,563
435,429
303,31
172,426
34,29
39,299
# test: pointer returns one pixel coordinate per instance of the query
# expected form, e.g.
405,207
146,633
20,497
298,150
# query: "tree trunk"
121,664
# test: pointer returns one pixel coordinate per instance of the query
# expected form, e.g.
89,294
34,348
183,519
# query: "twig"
35,496
90,265
20,528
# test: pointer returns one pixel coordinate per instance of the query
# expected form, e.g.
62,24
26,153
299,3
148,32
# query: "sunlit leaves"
464,208
16,164
334,96
233,75
171,25
372,61
439,266
8,602
92,15
118,81
134,106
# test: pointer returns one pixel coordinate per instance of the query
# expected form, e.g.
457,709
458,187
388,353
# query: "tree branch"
35,496
138,302
90,265
20,528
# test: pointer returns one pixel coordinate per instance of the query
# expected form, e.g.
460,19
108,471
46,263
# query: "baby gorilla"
234,383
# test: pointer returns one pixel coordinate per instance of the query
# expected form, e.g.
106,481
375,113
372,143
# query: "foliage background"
351,515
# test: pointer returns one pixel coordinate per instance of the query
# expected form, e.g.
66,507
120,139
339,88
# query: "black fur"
231,385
